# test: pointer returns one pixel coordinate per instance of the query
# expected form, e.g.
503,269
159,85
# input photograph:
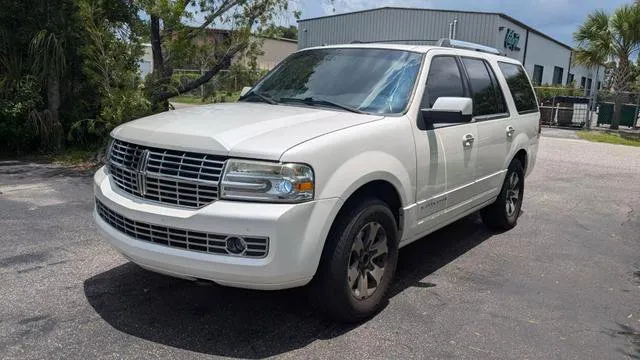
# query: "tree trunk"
159,76
621,84
53,106
221,64
163,71
617,111
156,45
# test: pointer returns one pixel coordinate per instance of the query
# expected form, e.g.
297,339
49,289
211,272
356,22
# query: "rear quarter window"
520,87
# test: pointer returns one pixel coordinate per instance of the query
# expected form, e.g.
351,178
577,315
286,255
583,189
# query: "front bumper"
296,235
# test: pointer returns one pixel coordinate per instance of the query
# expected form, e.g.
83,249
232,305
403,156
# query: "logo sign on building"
511,40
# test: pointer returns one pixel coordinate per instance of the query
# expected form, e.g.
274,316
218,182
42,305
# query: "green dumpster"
627,116
605,113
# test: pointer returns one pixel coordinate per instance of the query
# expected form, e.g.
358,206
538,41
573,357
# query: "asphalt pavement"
564,284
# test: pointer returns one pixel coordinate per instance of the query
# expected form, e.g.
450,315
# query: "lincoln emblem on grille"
141,172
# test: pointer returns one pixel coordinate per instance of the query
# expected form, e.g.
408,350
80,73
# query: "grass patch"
609,138
76,157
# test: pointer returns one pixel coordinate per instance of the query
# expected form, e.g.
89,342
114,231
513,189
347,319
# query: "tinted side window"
519,87
487,99
444,79
502,105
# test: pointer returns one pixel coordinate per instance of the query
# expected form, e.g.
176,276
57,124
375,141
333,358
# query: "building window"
599,85
569,78
583,82
537,74
557,75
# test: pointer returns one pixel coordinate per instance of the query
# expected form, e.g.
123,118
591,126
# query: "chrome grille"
257,247
166,176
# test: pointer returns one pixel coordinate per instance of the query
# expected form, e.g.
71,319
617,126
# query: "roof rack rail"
467,45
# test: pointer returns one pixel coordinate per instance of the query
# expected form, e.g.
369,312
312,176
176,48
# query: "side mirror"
446,110
245,90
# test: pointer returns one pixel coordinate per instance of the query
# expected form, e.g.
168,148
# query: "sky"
556,18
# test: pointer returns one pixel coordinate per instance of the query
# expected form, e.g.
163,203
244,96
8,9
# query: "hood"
253,130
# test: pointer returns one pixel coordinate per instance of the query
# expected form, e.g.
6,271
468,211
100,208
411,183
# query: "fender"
347,179
520,142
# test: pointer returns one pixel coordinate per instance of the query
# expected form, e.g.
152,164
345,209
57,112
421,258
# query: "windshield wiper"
321,101
261,96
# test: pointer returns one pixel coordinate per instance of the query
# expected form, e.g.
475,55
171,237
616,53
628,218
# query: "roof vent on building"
459,44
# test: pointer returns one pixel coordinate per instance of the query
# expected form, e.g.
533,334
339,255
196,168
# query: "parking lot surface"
564,284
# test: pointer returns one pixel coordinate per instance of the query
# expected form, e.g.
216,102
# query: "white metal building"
547,60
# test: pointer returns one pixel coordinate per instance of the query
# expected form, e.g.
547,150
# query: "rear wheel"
358,262
504,212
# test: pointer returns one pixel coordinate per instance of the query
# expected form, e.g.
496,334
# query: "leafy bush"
547,93
110,66
18,130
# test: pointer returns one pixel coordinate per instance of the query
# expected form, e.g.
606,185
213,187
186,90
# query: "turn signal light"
304,186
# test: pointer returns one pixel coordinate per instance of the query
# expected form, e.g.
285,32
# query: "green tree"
49,63
603,38
279,31
173,42
39,50
110,64
67,61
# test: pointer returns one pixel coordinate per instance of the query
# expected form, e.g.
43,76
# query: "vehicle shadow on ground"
250,324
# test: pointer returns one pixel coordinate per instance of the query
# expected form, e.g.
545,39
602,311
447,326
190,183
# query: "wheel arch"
381,189
522,156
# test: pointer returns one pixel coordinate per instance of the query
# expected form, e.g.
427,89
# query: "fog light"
236,245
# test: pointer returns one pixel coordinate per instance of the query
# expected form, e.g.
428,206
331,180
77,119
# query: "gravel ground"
564,284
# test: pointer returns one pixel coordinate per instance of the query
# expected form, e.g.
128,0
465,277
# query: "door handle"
510,131
467,140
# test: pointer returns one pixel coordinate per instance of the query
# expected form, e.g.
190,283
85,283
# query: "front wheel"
504,212
358,262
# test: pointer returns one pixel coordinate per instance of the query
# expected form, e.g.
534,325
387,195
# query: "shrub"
19,129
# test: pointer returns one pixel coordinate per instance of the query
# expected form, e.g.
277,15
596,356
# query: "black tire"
497,215
331,290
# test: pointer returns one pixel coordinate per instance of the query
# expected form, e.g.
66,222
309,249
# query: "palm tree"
616,37
48,56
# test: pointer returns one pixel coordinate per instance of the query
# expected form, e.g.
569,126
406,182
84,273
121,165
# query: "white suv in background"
334,160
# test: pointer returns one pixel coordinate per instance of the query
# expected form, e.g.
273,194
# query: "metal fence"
573,107
224,81
565,115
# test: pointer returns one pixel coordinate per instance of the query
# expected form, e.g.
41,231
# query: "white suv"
333,161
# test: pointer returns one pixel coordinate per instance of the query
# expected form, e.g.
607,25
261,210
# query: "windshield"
368,80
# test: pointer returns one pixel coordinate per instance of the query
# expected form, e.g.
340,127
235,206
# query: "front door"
447,153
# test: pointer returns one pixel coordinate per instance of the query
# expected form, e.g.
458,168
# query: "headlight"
267,182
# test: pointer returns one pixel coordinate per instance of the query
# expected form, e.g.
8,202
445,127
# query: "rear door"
525,116
495,130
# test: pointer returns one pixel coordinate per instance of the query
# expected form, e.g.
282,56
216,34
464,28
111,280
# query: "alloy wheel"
367,261
513,194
